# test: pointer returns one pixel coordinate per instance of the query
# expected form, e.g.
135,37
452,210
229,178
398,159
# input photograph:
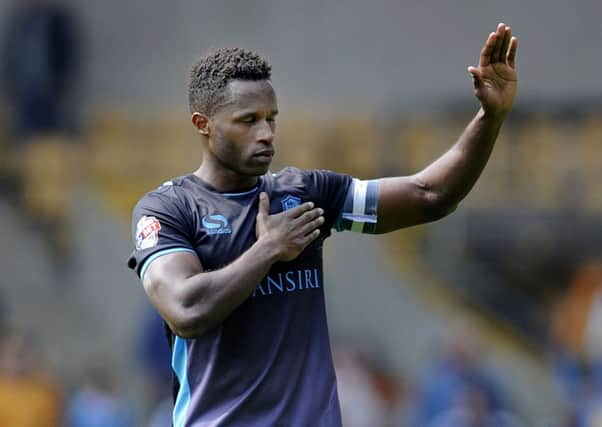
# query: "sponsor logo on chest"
216,224
287,282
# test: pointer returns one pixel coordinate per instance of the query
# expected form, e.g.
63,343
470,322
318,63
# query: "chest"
224,228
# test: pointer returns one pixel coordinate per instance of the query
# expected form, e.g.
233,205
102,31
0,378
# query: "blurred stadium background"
494,313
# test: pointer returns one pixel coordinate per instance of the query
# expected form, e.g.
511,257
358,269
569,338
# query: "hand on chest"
225,229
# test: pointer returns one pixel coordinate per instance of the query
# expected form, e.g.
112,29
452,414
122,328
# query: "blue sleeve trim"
160,254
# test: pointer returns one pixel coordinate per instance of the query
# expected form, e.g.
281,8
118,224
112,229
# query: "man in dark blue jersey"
231,255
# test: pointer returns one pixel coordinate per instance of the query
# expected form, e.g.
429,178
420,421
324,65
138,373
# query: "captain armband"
359,212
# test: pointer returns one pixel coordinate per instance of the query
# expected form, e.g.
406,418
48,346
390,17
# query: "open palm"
495,77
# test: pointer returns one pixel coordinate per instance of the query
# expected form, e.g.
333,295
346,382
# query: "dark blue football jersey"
269,363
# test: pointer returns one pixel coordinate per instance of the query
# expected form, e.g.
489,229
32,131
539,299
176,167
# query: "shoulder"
322,186
171,196
288,174
293,175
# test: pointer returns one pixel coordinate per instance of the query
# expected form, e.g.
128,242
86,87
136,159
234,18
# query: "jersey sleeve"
329,190
359,213
159,227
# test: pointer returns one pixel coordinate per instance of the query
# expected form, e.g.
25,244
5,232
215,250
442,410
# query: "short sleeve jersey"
269,363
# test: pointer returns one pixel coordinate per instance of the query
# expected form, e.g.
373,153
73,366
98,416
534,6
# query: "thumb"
476,76
264,204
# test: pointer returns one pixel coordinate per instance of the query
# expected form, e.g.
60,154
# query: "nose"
265,133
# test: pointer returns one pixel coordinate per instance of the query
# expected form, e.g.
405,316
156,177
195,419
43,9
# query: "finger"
485,58
499,40
309,216
512,52
310,237
476,76
299,210
506,44
264,204
311,226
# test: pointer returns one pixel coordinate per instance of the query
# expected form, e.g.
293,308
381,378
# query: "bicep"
386,204
403,202
164,280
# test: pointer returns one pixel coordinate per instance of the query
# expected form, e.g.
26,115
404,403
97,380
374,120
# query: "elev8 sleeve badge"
147,232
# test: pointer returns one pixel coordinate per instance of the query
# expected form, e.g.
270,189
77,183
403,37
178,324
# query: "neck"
225,180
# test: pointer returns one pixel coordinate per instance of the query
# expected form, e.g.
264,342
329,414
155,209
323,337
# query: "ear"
201,122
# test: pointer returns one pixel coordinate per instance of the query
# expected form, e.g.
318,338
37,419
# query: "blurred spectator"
28,398
577,341
458,387
98,404
572,329
361,403
471,409
155,355
162,414
39,60
587,401
575,331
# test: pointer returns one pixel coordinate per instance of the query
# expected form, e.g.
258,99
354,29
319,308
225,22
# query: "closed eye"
272,117
248,119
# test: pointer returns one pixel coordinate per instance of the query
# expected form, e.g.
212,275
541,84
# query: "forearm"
209,297
453,175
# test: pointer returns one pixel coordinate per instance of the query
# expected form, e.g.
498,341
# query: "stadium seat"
47,176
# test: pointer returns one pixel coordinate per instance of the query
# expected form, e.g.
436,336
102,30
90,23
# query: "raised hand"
495,78
291,231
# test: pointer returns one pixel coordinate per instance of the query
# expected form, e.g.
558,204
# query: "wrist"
493,115
268,249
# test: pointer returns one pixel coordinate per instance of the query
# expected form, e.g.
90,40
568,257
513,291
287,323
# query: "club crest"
290,202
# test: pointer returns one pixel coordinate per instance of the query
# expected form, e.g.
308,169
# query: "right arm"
193,301
436,191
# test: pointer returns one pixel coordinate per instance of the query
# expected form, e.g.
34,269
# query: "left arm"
436,190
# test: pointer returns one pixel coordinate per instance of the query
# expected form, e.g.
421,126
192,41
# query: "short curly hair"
211,74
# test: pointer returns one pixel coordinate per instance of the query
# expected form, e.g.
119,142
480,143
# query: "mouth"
264,155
